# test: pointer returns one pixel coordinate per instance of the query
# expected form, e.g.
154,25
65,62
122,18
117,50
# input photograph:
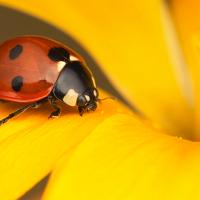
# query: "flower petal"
31,144
128,41
126,159
186,16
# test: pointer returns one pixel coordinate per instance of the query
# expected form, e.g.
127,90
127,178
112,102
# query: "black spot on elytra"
15,52
17,83
58,54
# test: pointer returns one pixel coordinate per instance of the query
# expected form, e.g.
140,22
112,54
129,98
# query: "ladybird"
35,69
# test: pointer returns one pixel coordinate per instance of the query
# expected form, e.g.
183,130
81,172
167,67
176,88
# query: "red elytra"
32,63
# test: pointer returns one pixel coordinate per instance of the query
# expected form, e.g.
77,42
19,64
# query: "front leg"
81,110
57,111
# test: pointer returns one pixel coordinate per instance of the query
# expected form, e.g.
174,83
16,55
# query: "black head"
76,87
87,100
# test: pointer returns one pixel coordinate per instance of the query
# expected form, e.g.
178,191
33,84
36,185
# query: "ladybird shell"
30,66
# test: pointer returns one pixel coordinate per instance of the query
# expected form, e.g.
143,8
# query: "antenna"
106,98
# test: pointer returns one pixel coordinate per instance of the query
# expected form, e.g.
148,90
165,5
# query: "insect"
36,69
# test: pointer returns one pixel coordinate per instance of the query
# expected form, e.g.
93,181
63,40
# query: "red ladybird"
35,69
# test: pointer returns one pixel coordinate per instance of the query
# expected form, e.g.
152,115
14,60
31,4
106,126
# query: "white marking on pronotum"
73,58
60,65
71,97
87,97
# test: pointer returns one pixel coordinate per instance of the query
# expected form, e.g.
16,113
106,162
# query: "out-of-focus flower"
113,153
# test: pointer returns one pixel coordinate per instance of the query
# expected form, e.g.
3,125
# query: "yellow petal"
126,159
31,144
186,16
129,41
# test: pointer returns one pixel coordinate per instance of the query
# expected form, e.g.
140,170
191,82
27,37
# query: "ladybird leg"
21,110
81,110
57,111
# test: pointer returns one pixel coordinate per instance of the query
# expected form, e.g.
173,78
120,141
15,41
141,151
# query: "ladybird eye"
95,92
81,101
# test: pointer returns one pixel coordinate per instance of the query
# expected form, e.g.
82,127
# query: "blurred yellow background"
136,49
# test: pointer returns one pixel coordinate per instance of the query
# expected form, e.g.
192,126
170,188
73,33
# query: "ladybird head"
87,100
75,86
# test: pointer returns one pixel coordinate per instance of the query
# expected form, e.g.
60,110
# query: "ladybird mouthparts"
92,106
